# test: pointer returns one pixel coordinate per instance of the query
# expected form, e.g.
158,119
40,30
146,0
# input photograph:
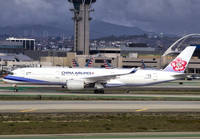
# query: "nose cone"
4,80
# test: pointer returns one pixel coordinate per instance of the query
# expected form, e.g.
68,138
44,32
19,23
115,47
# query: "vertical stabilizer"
89,63
75,64
107,65
180,63
143,65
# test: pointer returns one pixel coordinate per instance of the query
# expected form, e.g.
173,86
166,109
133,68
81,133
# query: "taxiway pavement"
135,135
98,106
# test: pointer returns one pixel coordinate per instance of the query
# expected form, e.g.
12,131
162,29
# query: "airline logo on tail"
89,63
107,65
179,64
75,64
143,65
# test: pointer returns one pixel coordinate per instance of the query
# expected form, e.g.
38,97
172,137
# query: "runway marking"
142,109
29,110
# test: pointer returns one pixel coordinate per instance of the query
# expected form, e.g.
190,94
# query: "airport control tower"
81,9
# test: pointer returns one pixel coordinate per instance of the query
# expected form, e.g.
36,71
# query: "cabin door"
22,73
57,75
155,77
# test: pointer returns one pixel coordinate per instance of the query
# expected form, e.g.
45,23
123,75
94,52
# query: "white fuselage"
59,76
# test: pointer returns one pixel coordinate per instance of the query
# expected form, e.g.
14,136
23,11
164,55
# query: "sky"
175,17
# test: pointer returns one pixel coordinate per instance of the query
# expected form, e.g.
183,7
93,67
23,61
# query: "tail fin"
180,63
107,65
75,64
89,63
143,65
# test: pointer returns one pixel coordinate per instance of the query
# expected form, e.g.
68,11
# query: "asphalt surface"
98,106
185,85
174,85
196,95
143,135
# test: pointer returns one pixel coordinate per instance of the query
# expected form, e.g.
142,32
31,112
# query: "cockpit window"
10,73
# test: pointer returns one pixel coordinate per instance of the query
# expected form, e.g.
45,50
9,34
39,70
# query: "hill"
102,29
97,29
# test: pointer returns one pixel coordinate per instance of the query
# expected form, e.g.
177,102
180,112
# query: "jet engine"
75,85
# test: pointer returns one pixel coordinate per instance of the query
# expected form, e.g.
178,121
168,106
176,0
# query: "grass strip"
34,89
98,123
94,97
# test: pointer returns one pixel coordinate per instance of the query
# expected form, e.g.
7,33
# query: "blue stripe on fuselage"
21,79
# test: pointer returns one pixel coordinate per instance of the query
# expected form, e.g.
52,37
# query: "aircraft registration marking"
28,110
142,109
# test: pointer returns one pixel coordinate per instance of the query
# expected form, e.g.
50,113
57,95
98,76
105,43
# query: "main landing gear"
99,91
15,90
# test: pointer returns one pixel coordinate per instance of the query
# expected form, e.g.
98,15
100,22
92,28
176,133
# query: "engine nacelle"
75,85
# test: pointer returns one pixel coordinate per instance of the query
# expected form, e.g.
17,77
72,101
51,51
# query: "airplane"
88,64
107,65
100,78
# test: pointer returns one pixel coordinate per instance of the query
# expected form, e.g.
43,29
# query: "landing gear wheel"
96,91
15,90
101,91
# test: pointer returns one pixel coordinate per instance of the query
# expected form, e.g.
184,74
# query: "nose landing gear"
15,90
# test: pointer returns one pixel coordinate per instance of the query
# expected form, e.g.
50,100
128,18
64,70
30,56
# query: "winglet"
180,63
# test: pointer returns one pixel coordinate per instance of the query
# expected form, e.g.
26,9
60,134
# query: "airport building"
116,60
12,53
11,47
28,44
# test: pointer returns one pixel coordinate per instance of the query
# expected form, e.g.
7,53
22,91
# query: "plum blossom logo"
179,64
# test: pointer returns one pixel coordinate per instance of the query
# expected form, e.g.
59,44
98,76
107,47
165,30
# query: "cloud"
17,12
167,16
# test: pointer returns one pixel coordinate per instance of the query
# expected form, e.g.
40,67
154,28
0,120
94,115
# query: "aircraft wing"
105,78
